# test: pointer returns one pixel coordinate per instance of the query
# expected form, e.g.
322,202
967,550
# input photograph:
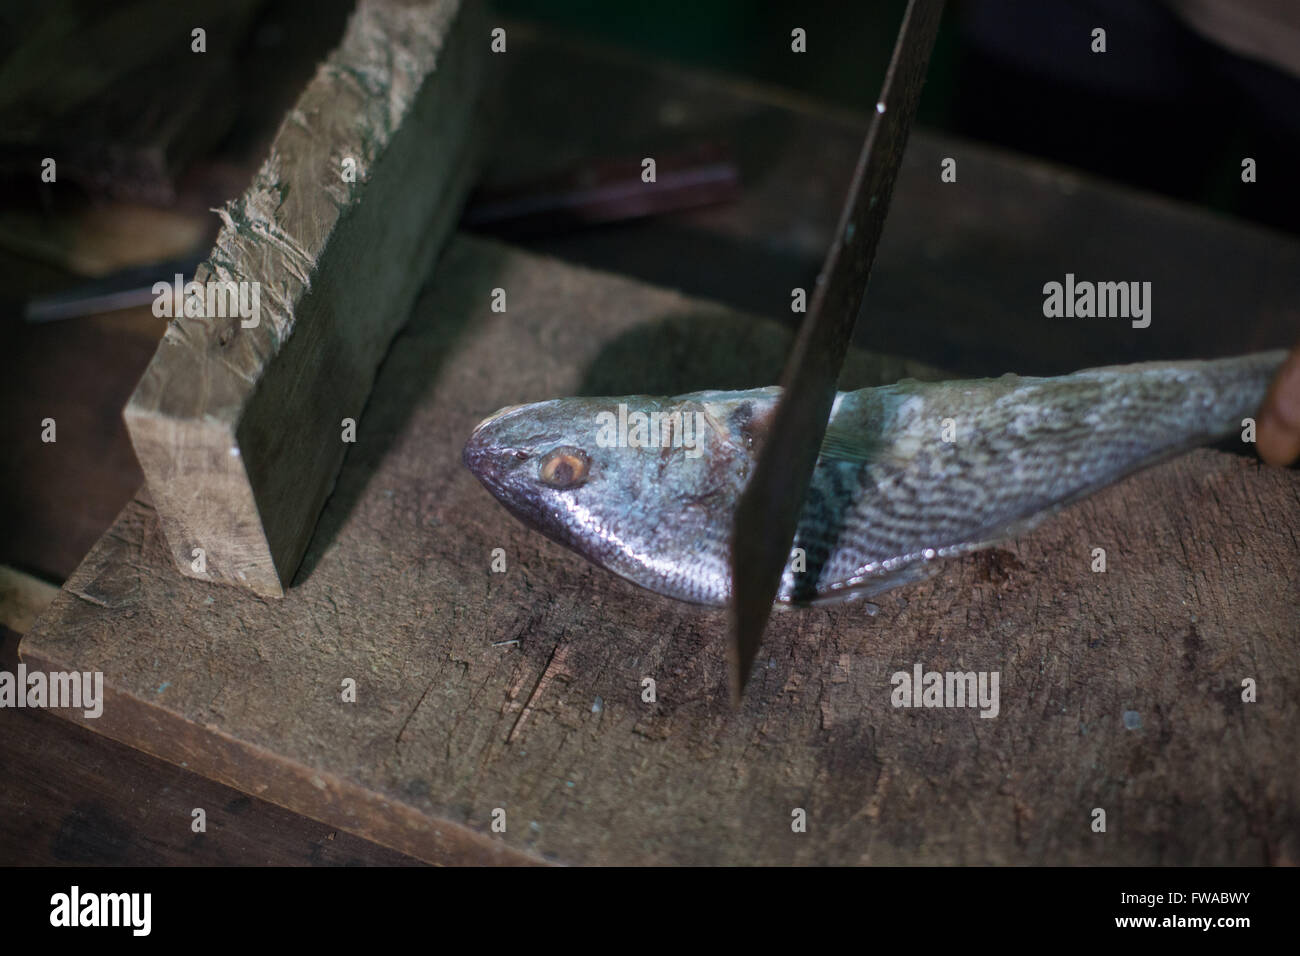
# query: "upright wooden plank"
238,420
524,691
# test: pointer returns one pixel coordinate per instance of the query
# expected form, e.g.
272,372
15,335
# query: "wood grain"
523,691
70,797
239,430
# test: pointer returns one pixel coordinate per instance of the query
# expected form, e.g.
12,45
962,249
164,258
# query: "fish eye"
565,467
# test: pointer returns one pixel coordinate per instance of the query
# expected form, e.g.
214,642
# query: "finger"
1277,434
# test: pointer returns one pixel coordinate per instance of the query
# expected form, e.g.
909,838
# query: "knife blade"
769,509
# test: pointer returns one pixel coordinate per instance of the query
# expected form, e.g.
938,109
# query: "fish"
909,474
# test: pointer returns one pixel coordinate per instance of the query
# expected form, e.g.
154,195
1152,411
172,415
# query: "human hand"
1277,426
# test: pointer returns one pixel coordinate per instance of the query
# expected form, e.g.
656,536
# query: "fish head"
644,487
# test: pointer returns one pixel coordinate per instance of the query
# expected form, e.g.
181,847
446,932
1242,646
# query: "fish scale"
889,497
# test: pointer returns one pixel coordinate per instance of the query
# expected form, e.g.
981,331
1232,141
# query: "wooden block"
523,691
239,429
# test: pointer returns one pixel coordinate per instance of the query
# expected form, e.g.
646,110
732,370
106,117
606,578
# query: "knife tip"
742,650
738,678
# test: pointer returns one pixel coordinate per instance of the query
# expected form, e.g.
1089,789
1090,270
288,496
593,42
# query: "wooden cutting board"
520,696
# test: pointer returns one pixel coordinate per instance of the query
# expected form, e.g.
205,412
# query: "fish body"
909,474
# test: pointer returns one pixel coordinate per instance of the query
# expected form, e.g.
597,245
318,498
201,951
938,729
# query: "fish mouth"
474,454
483,450
480,455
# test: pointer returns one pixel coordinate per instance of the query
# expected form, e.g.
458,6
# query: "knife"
769,509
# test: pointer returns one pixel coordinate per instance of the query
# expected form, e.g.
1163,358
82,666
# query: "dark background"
1163,109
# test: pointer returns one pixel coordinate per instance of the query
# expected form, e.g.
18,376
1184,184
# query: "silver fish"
908,474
